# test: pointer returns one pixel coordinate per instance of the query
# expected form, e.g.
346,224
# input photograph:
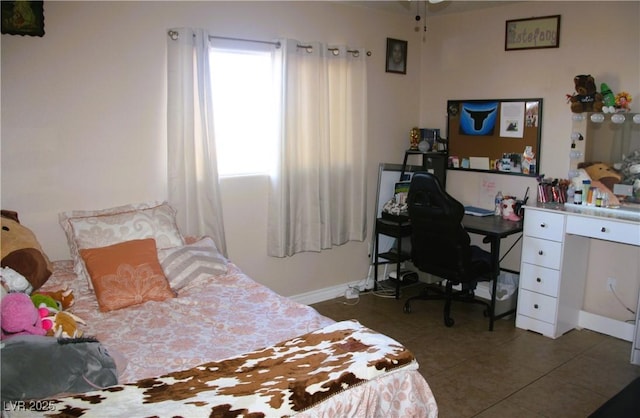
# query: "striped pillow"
187,263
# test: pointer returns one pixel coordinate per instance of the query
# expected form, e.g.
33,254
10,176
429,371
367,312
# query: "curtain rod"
174,35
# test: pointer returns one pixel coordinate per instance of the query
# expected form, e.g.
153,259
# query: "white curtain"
193,188
318,193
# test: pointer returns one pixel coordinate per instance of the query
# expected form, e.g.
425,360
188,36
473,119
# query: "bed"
222,344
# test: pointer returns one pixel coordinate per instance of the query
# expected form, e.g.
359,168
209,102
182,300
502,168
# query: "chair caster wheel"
407,308
448,322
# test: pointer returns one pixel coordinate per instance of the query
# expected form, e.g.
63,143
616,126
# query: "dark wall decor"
497,135
396,56
532,33
23,18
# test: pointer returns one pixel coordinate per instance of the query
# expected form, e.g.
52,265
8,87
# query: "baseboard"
604,325
327,293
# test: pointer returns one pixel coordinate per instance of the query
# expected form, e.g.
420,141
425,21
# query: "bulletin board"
492,135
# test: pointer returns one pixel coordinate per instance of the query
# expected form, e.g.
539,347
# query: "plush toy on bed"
21,251
12,281
20,316
56,322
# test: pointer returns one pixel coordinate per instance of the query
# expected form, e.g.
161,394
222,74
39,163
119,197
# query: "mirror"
497,135
610,142
614,139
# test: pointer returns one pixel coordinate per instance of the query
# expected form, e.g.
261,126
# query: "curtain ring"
174,35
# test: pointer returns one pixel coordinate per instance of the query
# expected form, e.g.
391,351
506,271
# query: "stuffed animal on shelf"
21,251
586,97
20,316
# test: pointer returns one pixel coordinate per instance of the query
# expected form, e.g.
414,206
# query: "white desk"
553,272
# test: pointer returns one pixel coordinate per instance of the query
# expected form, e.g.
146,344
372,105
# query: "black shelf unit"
399,227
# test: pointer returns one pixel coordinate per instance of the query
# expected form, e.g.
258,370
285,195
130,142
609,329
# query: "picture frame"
396,58
22,18
532,33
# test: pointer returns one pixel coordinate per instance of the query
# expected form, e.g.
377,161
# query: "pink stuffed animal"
20,316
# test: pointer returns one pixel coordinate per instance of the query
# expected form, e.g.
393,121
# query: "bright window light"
245,111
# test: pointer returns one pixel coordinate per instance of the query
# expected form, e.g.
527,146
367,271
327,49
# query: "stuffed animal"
21,251
43,301
56,322
13,281
629,168
602,172
19,316
63,324
508,211
64,299
586,98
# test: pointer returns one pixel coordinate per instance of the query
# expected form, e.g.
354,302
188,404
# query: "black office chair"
441,246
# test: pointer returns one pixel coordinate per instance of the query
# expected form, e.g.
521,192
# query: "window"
245,86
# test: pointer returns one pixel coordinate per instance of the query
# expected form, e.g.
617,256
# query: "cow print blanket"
280,380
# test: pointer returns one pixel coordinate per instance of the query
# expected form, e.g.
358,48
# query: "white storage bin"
507,292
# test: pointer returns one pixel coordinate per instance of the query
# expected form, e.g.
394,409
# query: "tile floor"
505,373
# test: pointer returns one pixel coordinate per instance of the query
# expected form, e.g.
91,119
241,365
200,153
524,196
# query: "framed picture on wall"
23,18
532,33
396,56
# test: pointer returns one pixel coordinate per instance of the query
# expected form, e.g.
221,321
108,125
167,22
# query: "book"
475,211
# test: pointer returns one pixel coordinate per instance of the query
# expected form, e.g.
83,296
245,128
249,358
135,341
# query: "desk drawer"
542,252
624,232
541,224
539,279
537,306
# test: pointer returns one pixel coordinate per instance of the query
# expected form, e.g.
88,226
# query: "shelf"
393,257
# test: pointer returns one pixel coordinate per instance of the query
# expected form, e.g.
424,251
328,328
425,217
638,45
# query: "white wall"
463,57
83,117
83,108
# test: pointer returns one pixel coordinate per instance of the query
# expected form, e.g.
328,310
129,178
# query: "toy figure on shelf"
608,99
414,138
623,99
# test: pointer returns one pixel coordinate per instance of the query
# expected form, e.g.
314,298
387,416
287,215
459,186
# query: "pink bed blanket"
222,317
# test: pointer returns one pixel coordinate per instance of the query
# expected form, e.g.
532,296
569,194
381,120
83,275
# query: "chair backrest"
439,243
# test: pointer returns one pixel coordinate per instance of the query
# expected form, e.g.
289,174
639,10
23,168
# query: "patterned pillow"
92,229
187,263
126,274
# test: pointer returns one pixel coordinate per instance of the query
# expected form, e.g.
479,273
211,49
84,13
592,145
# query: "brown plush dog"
21,251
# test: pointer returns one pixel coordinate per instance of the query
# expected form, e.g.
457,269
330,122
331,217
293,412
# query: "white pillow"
100,228
184,264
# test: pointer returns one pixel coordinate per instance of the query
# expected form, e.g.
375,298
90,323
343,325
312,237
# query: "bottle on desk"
577,197
498,203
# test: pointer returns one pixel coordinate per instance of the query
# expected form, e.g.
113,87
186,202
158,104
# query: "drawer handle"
603,229
535,306
540,252
543,225
539,280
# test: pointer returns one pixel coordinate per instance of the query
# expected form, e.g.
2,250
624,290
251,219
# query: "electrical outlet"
611,284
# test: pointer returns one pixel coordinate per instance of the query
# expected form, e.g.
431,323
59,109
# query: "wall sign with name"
532,33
